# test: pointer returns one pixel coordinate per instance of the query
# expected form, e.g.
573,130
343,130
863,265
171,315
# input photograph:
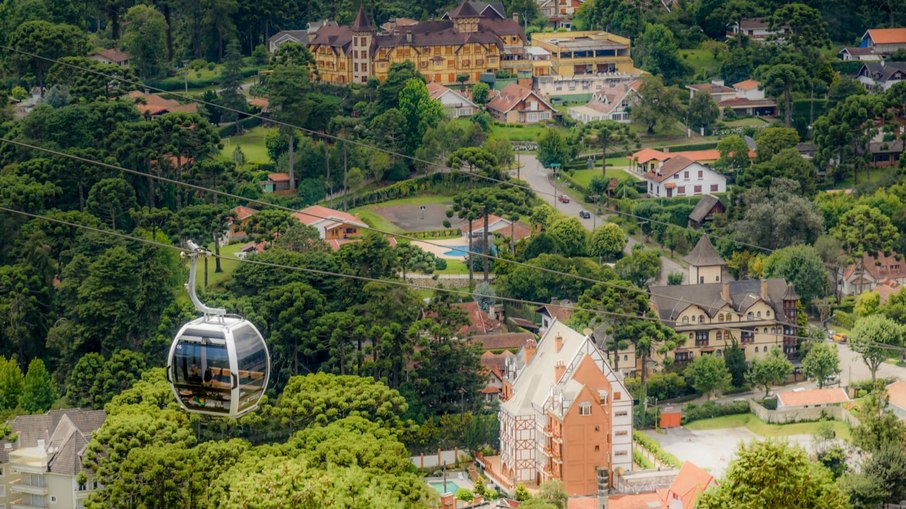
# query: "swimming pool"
450,487
463,251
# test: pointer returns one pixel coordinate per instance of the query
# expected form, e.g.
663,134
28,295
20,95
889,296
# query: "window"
701,338
355,67
714,188
719,335
597,448
676,176
597,427
2,491
585,408
621,433
701,174
767,313
758,314
681,190
765,330
747,336
701,318
698,189
682,357
720,318
685,320
625,358
53,499
718,353
686,175
693,318
616,396
620,453
621,413
750,316
756,349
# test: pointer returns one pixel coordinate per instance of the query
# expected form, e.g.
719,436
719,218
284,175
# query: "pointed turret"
361,22
705,264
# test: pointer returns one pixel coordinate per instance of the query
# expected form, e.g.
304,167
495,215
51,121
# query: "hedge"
710,409
641,460
655,449
178,82
246,123
435,234
847,66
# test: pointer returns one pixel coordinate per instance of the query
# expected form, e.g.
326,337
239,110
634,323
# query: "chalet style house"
680,176
566,415
711,310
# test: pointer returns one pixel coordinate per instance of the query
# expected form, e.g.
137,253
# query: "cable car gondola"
219,363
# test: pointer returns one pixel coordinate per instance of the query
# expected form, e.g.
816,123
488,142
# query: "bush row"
655,449
641,460
711,409
246,123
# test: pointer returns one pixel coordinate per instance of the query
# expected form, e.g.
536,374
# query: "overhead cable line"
451,291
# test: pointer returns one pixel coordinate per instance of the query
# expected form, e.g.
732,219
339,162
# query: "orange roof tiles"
888,35
746,85
315,213
511,96
691,482
278,177
637,501
243,212
435,90
702,156
157,105
897,394
813,397
113,55
647,154
674,165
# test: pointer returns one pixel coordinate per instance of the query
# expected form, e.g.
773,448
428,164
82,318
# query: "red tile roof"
157,105
880,267
561,313
711,88
243,212
813,397
897,394
113,55
479,321
888,35
647,154
636,501
691,482
503,340
746,85
673,165
435,90
742,102
511,96
278,177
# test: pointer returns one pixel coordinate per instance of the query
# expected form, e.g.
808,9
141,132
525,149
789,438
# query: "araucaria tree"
781,81
607,133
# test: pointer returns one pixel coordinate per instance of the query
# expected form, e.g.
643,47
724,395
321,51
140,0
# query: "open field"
228,263
702,62
405,215
252,143
583,177
759,427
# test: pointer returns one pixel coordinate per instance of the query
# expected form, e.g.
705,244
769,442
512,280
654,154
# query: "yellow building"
584,53
468,41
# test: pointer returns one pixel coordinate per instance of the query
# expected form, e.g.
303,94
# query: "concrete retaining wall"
785,415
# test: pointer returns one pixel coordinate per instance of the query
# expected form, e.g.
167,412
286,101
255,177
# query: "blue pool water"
460,251
451,487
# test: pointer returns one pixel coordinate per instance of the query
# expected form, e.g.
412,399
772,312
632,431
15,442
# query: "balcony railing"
17,486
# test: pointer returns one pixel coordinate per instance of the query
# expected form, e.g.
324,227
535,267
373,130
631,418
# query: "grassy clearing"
252,143
872,175
376,220
702,61
746,122
228,263
583,177
759,427
454,266
514,133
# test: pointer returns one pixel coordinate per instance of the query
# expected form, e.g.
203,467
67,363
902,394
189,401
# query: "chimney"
558,342
409,36
492,312
764,289
717,83
530,348
559,370
725,292
447,501
666,150
516,17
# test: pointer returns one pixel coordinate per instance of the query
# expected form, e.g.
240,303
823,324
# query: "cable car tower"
218,363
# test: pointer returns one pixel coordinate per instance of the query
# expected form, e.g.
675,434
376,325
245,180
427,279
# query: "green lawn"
228,263
454,266
702,61
517,133
746,122
375,220
759,427
419,199
872,175
583,177
252,143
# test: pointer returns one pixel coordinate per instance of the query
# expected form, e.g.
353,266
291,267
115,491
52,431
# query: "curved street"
536,176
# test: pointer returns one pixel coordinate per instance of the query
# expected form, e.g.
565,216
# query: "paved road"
536,177
853,366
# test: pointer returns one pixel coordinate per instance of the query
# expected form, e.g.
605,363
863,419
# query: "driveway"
852,366
713,449
535,176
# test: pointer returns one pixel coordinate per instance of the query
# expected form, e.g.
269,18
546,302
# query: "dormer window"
585,408
758,314
685,320
750,316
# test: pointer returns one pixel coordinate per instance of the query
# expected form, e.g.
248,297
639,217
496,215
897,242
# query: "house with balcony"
711,311
565,415
610,103
41,468
454,103
111,56
516,104
559,13
586,53
680,176
334,226
758,29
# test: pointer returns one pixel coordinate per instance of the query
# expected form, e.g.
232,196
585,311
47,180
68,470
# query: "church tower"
362,38
705,264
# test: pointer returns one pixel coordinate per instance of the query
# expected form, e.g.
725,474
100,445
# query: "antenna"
193,254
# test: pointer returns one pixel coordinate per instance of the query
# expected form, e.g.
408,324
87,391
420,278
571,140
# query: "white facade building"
679,176
454,103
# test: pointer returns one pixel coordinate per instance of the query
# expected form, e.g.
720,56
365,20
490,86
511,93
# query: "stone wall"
643,481
785,415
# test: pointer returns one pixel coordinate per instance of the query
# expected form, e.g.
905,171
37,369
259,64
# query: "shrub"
19,93
440,264
464,495
211,66
198,63
710,409
655,449
446,223
641,460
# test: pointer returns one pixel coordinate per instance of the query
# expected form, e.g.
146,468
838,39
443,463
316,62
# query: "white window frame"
585,409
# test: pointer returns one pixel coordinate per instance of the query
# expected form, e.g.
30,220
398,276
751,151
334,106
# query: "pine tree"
39,392
11,383
231,80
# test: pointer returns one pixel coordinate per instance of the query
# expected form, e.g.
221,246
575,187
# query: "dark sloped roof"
703,207
54,427
464,10
361,22
704,254
668,169
671,300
